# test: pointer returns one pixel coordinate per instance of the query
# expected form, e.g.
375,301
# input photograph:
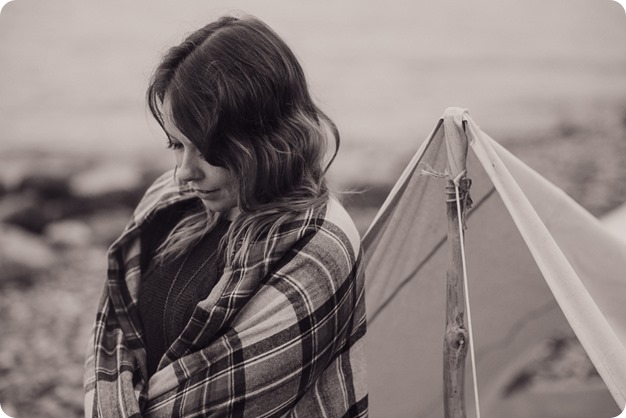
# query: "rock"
107,179
34,213
22,256
24,210
109,186
44,173
12,172
71,207
107,226
12,204
48,187
69,233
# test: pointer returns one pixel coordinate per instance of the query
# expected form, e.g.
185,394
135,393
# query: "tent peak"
455,112
456,141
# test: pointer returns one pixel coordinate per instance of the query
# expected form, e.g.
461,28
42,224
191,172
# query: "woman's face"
215,186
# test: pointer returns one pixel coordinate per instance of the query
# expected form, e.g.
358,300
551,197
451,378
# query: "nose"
188,168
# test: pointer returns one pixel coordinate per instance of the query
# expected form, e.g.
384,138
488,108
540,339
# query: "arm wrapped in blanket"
280,335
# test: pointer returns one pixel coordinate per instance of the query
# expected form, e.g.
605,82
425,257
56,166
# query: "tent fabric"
538,265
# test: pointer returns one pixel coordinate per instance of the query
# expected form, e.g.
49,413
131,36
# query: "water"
73,73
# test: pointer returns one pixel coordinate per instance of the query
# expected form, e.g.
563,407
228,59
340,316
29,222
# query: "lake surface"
73,73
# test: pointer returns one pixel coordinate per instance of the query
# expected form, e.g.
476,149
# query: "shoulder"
330,246
337,215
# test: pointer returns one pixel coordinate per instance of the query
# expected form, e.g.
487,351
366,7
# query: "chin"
218,205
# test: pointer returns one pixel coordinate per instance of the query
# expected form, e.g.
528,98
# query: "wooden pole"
456,339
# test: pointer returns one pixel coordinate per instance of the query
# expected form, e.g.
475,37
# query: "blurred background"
546,78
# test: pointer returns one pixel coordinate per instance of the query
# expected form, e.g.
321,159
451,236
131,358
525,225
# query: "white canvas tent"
538,265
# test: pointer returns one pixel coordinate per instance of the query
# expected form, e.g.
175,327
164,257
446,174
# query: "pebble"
24,210
106,179
22,255
39,172
69,233
107,226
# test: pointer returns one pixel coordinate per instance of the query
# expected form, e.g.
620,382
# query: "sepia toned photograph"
313,209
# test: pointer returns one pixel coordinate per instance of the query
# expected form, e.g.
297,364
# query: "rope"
467,304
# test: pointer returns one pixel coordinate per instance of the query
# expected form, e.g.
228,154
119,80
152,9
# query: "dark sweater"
169,292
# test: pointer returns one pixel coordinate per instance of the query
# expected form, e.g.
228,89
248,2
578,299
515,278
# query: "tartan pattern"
280,335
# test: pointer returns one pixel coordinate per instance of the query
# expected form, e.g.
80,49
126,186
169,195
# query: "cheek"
232,181
178,157
221,177
232,188
225,179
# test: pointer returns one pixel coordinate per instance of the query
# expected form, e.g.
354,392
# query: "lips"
205,192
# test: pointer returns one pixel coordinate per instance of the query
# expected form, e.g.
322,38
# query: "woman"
235,290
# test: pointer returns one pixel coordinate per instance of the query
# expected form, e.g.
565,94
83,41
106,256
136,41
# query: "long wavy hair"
239,94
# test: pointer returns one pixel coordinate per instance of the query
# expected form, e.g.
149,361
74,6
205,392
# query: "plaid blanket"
278,336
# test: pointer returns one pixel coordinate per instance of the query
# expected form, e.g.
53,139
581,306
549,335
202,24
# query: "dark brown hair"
239,94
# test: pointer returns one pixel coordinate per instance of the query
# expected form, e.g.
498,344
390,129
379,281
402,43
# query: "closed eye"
174,145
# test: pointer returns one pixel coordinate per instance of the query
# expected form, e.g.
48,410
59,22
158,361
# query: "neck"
232,213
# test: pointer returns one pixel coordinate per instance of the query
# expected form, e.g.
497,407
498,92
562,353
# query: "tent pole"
456,339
